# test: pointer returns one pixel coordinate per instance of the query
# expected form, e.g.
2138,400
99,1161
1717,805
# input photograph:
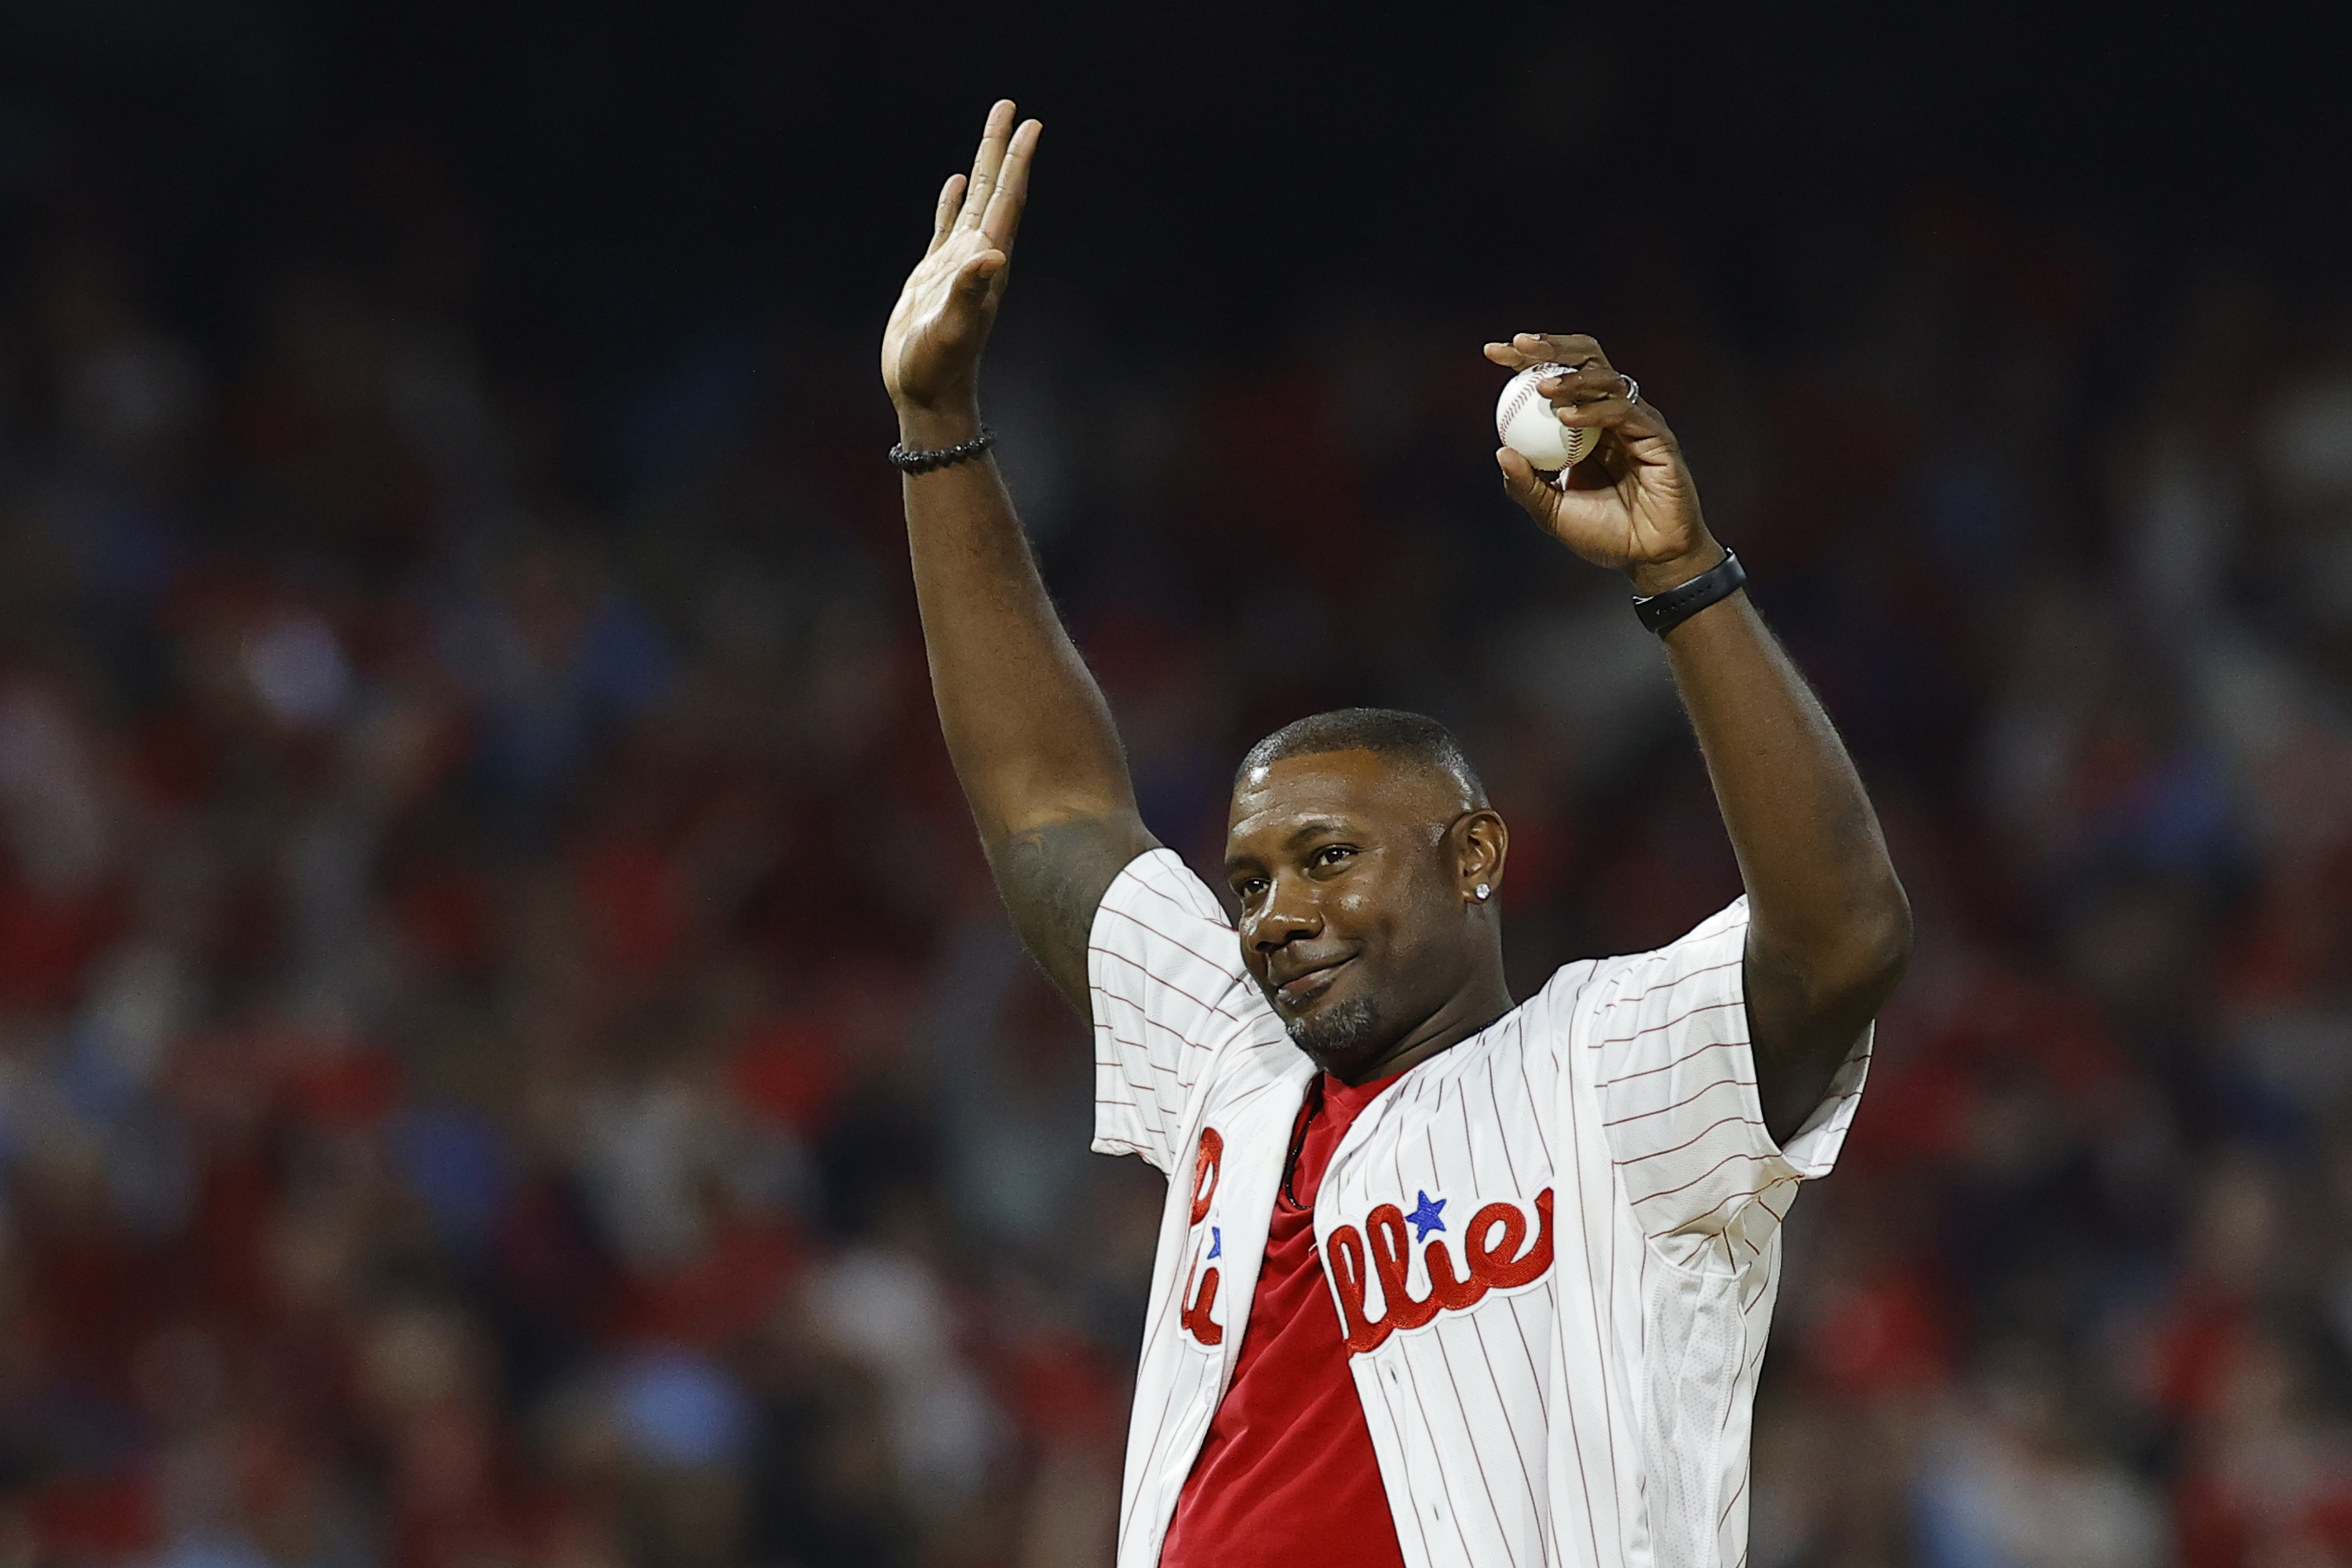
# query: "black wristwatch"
1662,612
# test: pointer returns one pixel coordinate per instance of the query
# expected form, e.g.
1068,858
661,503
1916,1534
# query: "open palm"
930,349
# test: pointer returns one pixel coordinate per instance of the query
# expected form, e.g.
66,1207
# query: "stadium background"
507,1052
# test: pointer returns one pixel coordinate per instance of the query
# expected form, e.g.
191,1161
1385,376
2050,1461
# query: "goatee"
1336,1032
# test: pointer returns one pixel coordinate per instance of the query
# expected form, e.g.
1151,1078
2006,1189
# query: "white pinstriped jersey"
1553,1247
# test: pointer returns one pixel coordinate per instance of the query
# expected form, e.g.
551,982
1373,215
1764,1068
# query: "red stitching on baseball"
1576,435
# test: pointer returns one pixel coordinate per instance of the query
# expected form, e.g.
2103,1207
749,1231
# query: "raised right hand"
1630,504
930,349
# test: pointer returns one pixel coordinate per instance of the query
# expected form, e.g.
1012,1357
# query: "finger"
986,161
1588,384
1521,484
1598,413
1643,424
1632,425
950,203
1505,355
1002,219
1574,348
973,277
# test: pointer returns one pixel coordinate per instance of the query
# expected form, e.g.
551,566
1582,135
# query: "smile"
1303,987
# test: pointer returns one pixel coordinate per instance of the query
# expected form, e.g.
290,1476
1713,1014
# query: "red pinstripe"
1674,1022
1677,1062
1708,1089
1445,1483
1159,979
1461,1406
1708,1212
1503,1403
1681,979
1140,1005
1224,967
1685,1186
1686,1142
1211,1049
1214,914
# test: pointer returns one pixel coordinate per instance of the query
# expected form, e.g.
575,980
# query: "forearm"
1828,927
1829,930
1822,894
1025,724
1026,728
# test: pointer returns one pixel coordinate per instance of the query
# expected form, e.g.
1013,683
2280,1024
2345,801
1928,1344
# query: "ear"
1481,843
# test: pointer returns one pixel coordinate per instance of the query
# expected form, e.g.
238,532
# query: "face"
1354,873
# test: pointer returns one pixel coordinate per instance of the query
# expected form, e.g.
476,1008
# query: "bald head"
1408,739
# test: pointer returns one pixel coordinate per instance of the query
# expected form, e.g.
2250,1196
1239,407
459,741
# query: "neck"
1466,1012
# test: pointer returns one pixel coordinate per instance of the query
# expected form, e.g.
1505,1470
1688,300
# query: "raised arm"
1025,724
1829,928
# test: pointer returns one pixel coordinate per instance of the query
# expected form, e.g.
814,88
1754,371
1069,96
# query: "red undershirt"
1286,1477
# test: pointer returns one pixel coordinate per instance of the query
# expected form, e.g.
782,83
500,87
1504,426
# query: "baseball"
1525,422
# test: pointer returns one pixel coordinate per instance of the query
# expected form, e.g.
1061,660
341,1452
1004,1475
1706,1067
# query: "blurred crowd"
509,1055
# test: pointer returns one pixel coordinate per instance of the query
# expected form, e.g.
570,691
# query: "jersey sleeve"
1664,1035
1164,975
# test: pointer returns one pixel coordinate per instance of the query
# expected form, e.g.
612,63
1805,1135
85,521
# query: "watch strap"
1662,612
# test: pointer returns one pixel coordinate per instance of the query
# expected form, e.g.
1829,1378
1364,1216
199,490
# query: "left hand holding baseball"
1631,504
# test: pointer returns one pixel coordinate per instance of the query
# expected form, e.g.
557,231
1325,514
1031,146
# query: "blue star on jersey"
1216,1241
1425,1218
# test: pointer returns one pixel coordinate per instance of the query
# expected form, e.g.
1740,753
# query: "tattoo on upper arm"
1053,879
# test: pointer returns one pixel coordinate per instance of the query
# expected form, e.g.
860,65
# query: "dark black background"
625,167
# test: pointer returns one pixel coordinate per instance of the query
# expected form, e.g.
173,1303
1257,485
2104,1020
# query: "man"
1442,1279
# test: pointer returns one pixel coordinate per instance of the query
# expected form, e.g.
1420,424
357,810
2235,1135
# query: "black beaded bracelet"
906,459
1662,612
